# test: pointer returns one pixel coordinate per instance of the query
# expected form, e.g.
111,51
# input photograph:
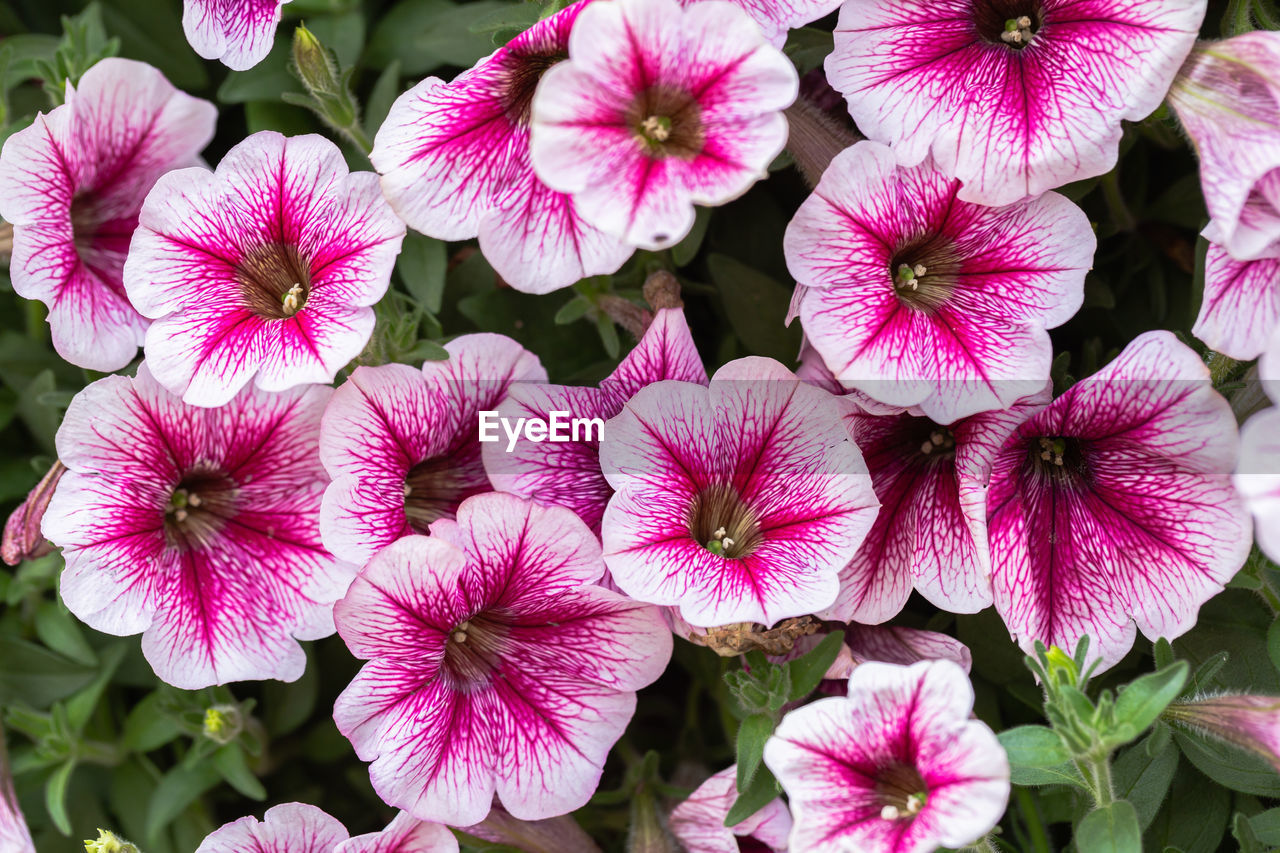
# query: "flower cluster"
302,451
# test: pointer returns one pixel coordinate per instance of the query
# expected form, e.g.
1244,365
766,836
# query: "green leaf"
180,787
1228,766
1144,779
426,34
764,787
59,630
1140,703
752,735
757,308
572,311
1243,832
1111,829
36,676
381,97
808,670
1037,756
150,724
1273,643
608,334
55,796
687,249
421,265
230,762
1266,826
1195,817
153,34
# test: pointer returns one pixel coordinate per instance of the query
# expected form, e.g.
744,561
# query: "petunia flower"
918,298
403,445
1241,304
1112,510
1226,98
265,269
496,665
776,17
197,528
568,473
698,822
454,159
1246,721
72,185
560,834
14,835
238,33
302,828
1257,476
22,537
931,536
1011,97
897,766
659,108
736,503
905,646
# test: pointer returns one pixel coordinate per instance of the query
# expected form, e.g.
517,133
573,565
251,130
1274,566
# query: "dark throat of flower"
1011,23
923,273
524,70
1058,459
436,486
275,280
667,123
722,522
901,792
937,442
473,650
200,506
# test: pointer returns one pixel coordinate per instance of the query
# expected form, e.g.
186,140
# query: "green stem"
1103,792
358,137
1120,214
1035,826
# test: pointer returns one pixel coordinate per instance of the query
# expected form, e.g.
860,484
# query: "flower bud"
22,537
315,66
223,723
552,835
1061,668
108,842
1244,720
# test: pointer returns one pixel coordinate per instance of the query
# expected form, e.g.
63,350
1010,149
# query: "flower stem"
1035,826
1119,211
1097,770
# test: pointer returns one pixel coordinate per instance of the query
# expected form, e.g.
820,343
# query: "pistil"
1017,31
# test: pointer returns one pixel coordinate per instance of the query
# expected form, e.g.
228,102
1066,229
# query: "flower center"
1058,458
723,523
275,280
473,650
667,123
941,442
923,273
902,792
524,70
1012,23
199,506
434,487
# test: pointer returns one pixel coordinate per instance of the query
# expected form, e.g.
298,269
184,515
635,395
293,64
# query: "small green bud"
1061,667
315,66
222,723
108,842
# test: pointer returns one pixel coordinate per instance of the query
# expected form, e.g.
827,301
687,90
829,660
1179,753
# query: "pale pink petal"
698,822
405,834
236,32
1241,305
292,827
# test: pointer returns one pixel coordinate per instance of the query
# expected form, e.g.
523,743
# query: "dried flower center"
667,123
940,442
199,506
434,487
923,272
523,73
275,280
723,523
474,649
1012,23
1058,458
901,791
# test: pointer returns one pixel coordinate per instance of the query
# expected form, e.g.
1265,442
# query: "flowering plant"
660,426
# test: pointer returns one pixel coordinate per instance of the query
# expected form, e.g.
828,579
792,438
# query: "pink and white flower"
455,164
1226,97
14,835
403,445
736,503
1011,97
197,528
904,646
659,108
931,534
238,33
302,828
72,185
698,822
1257,477
1112,510
1241,304
265,269
919,298
496,664
568,473
1243,720
897,766
776,17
